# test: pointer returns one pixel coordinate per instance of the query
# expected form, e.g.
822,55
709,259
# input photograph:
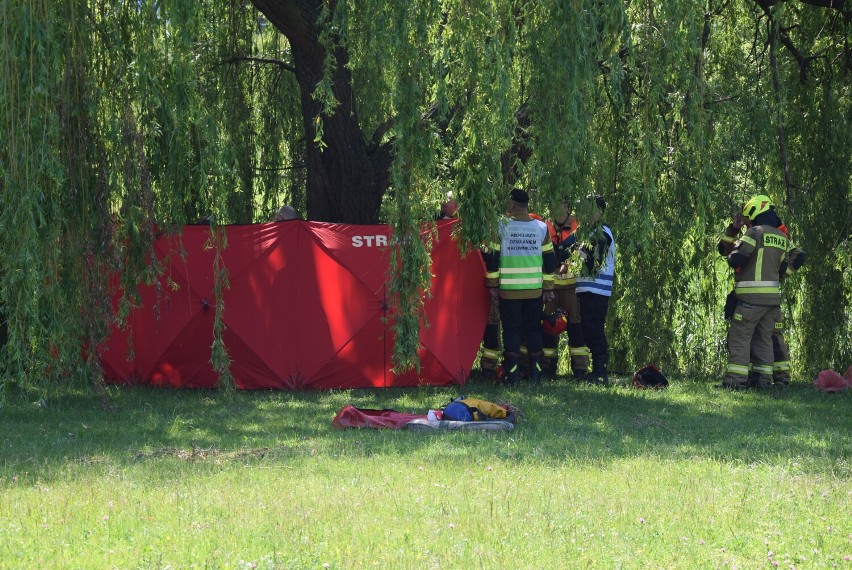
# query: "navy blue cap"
520,196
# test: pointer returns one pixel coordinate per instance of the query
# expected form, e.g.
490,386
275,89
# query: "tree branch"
379,133
839,5
802,60
779,118
265,60
832,4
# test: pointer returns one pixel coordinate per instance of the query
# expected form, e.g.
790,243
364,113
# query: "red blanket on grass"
352,417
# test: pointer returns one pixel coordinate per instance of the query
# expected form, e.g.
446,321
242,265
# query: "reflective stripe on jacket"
758,280
601,282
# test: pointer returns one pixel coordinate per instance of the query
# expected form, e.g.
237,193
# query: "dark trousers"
521,318
593,309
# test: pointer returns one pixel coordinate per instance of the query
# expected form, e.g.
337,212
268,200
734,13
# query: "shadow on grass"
561,421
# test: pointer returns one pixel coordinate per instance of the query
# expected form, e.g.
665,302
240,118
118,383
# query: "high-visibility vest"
557,236
600,283
563,233
521,248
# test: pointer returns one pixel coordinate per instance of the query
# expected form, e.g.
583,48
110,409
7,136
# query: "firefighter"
594,288
489,360
520,274
795,258
758,258
562,233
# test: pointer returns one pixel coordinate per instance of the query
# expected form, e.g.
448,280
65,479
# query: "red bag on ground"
831,381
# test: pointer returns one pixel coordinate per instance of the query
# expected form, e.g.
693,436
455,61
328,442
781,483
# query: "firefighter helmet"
554,323
756,206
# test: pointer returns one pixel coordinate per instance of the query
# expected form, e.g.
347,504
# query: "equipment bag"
649,377
471,409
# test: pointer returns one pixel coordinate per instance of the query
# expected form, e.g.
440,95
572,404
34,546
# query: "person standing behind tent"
449,209
286,214
520,273
794,260
594,288
562,230
758,259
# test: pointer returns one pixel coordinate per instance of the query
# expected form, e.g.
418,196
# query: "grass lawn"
690,477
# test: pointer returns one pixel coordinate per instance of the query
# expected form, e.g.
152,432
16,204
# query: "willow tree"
119,118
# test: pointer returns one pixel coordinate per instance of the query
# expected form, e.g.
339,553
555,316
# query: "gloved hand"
548,296
495,297
730,306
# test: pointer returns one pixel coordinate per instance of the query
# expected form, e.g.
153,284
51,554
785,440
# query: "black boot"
535,367
512,368
599,373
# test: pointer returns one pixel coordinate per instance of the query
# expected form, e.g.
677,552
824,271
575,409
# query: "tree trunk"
347,179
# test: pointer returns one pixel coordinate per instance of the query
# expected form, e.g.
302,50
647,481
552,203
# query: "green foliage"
123,120
409,261
120,120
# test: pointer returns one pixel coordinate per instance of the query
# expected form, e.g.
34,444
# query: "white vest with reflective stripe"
601,284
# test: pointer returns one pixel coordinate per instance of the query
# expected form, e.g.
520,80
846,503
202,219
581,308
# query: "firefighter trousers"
750,340
490,356
781,352
781,357
565,298
781,360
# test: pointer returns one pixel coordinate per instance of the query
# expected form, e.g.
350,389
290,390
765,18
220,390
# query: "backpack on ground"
649,376
475,410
